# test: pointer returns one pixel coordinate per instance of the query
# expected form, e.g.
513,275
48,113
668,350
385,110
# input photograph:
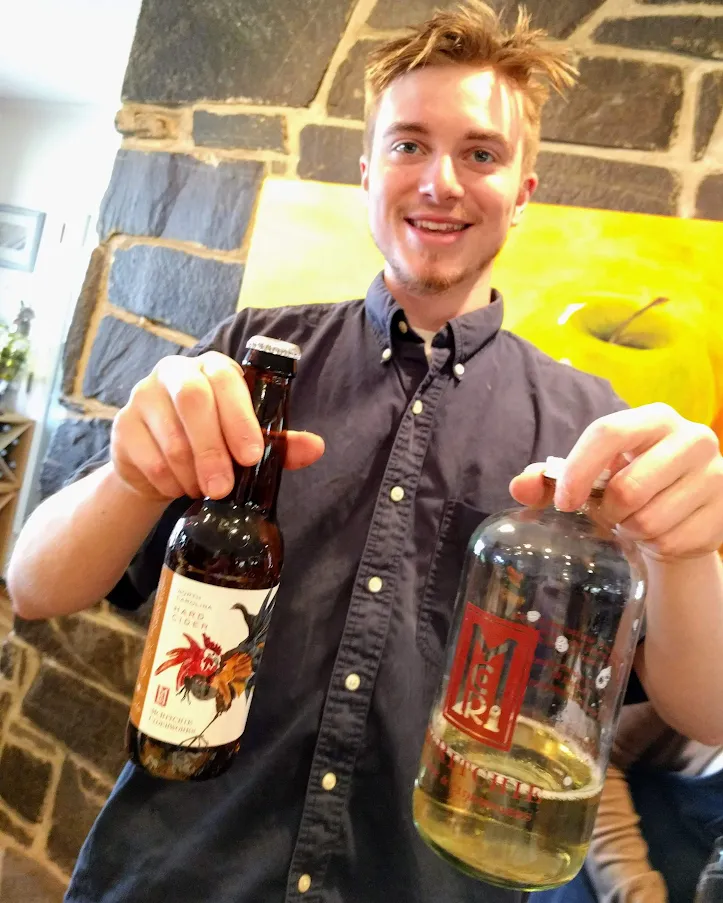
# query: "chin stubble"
436,284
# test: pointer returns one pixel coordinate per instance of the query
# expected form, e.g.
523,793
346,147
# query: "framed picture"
20,232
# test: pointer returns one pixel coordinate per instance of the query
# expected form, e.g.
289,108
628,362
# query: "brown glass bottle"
214,601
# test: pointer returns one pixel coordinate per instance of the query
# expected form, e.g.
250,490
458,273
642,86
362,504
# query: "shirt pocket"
440,593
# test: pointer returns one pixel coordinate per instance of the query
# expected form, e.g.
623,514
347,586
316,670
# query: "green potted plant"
14,347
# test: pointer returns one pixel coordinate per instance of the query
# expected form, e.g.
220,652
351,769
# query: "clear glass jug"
710,885
546,624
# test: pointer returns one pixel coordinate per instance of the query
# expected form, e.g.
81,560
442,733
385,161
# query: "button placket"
345,713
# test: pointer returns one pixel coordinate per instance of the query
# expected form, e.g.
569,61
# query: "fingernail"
218,486
562,498
253,452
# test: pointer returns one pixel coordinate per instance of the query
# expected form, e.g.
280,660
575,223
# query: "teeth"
437,227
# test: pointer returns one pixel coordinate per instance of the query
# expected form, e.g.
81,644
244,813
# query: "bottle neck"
591,504
257,487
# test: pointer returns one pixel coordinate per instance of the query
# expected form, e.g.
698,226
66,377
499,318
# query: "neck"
430,309
257,487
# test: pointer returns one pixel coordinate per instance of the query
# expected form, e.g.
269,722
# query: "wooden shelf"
5,500
11,478
12,434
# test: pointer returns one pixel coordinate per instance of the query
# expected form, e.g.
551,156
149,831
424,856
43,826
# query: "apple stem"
619,330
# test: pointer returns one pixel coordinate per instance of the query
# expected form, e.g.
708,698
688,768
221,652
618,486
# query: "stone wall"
216,97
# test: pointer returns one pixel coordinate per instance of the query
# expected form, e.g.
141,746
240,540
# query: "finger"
620,461
165,427
632,431
239,425
697,535
666,510
140,462
302,449
529,487
193,399
654,471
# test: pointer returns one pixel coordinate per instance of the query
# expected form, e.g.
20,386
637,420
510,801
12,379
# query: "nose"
440,182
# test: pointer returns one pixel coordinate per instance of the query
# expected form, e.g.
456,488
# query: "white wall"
67,51
55,158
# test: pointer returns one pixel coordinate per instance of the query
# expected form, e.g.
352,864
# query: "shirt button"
352,682
397,494
417,407
328,782
375,584
304,883
459,369
386,354
403,328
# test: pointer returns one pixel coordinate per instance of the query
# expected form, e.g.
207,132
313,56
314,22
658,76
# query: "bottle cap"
274,346
555,467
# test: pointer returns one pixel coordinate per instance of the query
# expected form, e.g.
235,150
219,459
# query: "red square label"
489,676
161,695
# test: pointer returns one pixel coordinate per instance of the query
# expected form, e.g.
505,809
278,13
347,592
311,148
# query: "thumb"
528,488
302,449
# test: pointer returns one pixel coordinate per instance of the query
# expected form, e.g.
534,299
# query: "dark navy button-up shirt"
317,805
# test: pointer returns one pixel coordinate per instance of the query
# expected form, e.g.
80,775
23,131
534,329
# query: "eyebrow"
417,128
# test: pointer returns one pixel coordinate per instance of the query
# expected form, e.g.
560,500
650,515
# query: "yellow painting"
571,278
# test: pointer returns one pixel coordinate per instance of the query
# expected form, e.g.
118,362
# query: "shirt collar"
468,333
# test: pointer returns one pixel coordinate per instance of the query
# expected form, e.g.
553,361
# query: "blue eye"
483,156
406,147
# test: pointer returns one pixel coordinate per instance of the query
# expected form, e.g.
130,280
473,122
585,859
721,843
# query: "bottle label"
204,645
489,676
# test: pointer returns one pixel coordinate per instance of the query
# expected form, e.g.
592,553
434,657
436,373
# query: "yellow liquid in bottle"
519,819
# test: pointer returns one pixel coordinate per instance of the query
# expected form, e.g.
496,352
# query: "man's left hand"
666,491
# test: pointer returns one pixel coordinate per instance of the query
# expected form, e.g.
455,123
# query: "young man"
430,415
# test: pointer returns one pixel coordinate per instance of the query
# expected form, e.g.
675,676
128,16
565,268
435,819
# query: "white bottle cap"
274,346
555,467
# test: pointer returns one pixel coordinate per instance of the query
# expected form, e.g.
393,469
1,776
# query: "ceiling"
65,51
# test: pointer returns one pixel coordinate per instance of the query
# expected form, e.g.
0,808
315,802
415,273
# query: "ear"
364,167
527,189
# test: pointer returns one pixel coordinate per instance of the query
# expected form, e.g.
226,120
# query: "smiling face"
444,180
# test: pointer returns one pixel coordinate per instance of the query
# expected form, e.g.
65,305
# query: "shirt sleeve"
607,401
139,582
596,398
634,692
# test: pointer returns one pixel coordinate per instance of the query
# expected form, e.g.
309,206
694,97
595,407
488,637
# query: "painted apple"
717,426
659,356
716,356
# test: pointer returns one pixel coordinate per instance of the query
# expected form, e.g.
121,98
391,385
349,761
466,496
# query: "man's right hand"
183,424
